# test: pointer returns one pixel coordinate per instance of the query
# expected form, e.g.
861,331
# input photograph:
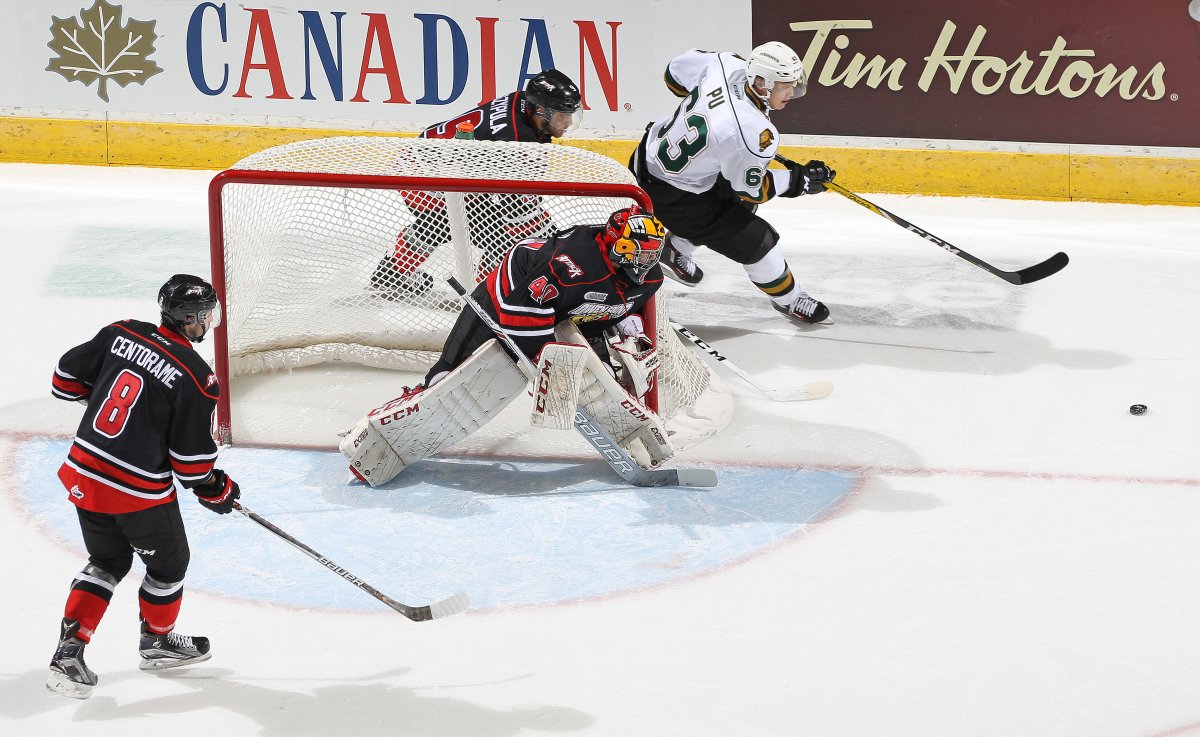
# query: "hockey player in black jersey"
546,109
593,277
148,426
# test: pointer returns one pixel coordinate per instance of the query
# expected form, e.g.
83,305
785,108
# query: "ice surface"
971,537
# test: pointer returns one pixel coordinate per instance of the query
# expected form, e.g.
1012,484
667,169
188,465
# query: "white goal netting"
338,249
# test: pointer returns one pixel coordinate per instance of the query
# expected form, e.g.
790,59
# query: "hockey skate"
804,309
69,675
171,650
396,285
679,267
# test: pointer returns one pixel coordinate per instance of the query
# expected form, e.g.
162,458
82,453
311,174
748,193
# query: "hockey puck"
1137,409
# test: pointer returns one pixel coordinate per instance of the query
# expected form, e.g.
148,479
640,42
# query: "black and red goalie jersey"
569,276
507,118
150,402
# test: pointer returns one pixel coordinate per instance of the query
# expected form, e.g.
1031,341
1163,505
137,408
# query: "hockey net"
338,249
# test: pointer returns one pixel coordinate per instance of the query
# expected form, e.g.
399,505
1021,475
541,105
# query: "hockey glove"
808,178
640,362
218,492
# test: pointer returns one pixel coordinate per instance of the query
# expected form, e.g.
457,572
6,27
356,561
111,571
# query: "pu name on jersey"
596,296
144,358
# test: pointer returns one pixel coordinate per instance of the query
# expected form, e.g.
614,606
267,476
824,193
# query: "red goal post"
304,252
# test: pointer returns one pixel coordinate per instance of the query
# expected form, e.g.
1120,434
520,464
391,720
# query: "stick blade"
698,477
437,610
1049,267
811,390
449,607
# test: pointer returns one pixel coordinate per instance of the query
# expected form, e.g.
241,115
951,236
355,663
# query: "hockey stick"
811,390
1038,271
592,431
445,608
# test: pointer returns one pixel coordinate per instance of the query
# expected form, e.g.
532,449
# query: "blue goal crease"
509,533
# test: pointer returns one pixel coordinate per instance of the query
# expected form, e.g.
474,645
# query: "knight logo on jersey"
212,379
764,139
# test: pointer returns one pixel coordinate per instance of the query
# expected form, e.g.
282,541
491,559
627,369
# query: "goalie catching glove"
634,352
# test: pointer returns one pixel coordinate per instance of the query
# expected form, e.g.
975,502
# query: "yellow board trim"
1132,179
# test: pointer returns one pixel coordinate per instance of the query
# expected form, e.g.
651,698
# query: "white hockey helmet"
776,62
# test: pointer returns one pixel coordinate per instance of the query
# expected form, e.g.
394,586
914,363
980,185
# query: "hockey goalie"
569,302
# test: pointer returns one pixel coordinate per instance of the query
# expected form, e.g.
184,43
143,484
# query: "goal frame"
224,428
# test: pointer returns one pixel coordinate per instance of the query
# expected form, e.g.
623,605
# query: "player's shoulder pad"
758,134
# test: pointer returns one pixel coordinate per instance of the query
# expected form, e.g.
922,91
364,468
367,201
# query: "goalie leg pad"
372,460
636,428
419,424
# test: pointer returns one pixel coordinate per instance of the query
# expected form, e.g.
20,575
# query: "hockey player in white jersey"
705,168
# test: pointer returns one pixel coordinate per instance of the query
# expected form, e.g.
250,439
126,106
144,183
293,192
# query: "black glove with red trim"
218,492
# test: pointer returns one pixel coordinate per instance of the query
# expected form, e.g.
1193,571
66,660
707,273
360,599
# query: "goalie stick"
437,610
811,390
592,431
1029,274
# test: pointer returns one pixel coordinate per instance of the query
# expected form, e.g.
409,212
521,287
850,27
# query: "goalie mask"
776,62
635,241
189,300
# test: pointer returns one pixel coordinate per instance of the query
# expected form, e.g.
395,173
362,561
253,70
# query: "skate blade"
59,683
165,663
680,280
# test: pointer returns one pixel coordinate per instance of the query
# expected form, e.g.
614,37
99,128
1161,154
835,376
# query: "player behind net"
564,300
546,109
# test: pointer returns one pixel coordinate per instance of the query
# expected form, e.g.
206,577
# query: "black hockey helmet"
635,241
186,300
552,92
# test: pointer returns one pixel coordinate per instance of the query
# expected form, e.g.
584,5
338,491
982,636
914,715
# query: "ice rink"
972,537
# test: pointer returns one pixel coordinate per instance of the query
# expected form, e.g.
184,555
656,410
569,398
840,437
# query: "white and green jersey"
719,129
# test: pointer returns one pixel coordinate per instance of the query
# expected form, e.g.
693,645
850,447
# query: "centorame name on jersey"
141,356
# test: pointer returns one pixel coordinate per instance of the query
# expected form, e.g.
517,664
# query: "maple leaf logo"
96,47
